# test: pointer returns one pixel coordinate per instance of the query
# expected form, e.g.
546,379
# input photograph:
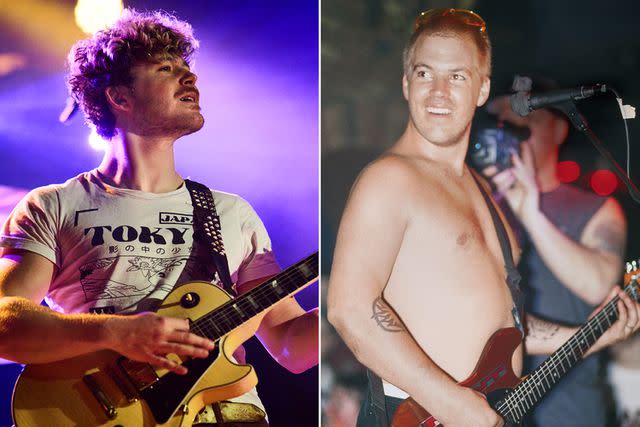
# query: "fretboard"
235,312
529,392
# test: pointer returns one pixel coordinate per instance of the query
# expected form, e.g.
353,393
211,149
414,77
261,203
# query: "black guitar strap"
513,276
207,230
377,403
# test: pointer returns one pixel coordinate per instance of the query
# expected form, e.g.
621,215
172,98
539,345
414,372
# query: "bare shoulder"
607,229
388,169
393,176
611,211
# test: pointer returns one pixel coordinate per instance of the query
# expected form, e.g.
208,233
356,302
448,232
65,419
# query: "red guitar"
493,376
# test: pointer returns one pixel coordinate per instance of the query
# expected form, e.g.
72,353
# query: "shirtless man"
418,283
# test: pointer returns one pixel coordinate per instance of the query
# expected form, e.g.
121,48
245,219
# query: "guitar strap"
513,276
207,231
377,402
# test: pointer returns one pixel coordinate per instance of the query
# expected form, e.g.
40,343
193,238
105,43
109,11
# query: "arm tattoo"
385,317
609,238
540,329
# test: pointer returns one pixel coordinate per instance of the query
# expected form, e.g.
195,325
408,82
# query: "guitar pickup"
92,382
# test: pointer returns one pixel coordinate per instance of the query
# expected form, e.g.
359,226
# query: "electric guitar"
493,376
106,389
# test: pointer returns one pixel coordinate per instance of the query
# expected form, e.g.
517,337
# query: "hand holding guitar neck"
628,311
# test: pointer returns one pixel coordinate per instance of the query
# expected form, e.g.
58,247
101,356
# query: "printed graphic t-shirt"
122,251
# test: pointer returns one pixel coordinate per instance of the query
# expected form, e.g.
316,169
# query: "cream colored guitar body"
91,390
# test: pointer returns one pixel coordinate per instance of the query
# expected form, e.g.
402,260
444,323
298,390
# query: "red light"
568,171
603,182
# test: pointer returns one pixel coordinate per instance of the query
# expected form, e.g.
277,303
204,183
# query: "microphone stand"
580,123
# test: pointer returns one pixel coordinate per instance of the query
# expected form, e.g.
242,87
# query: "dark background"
258,78
363,111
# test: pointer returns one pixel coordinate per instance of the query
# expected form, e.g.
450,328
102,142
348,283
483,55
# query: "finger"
504,180
182,350
632,312
527,155
176,324
490,171
612,293
185,337
170,365
622,316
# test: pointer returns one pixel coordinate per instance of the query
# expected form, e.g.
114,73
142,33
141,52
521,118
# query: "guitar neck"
520,401
235,312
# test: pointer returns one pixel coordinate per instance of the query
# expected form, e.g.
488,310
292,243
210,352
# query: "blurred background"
363,113
258,78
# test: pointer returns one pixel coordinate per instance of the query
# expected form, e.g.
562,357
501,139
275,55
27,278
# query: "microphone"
522,103
70,109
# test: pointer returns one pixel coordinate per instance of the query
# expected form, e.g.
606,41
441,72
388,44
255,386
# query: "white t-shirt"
122,251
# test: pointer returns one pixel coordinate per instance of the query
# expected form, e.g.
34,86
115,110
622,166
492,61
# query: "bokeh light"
96,141
568,171
94,15
603,182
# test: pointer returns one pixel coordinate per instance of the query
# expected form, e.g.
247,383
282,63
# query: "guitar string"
227,312
573,343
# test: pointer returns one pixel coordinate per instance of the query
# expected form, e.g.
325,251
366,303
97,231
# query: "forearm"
31,333
544,337
379,340
298,349
587,272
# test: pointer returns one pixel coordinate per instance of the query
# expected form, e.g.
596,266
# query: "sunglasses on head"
466,16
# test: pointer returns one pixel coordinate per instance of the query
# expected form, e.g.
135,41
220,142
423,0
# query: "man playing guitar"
418,281
117,239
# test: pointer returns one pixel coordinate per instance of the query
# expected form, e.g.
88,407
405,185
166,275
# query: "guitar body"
493,376
95,390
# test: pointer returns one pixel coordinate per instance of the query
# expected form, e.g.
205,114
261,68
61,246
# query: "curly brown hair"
106,59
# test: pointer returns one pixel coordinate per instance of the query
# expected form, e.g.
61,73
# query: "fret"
306,271
546,378
208,328
598,324
595,338
248,307
539,388
563,358
584,346
573,349
252,302
239,312
518,410
533,398
275,286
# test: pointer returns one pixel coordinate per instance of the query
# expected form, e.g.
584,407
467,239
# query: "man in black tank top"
573,244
